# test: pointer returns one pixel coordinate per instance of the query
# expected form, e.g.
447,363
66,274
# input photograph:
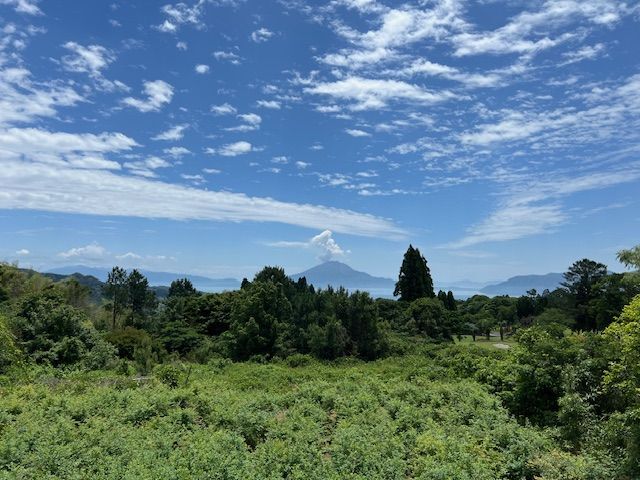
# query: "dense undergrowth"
413,416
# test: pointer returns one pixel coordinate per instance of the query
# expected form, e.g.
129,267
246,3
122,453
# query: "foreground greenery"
416,416
280,380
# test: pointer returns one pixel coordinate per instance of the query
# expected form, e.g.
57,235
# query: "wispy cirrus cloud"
35,186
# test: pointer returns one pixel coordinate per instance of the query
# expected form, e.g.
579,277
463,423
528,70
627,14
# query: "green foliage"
631,257
414,280
181,288
581,283
50,331
168,374
9,353
382,420
429,317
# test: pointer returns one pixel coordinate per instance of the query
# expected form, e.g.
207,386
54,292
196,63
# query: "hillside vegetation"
278,380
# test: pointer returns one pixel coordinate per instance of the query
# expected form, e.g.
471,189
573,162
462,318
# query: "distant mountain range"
338,274
155,278
519,285
330,273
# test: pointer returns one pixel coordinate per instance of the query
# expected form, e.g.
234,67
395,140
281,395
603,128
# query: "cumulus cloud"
93,251
261,35
371,94
224,109
174,133
251,121
324,243
23,252
272,104
202,69
354,132
23,101
234,149
158,94
230,57
30,7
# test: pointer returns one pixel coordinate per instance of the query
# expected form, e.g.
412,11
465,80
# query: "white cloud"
30,7
177,152
272,104
23,252
202,69
530,32
35,186
261,35
251,121
92,251
91,59
146,167
302,165
354,132
22,101
533,207
129,256
282,160
174,133
369,94
233,149
158,93
182,46
211,171
588,52
224,109
323,242
230,57
180,14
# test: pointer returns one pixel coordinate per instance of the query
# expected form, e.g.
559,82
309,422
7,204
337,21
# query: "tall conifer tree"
414,280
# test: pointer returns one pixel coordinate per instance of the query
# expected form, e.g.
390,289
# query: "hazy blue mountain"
155,278
519,285
339,274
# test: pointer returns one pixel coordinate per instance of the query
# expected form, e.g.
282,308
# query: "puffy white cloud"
261,35
23,252
93,251
324,243
30,7
354,132
22,101
235,149
369,93
272,104
177,152
224,109
174,133
530,31
146,167
230,57
251,121
158,93
202,69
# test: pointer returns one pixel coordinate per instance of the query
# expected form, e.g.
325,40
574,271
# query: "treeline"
274,316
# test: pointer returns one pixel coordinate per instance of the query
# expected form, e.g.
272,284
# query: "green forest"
284,380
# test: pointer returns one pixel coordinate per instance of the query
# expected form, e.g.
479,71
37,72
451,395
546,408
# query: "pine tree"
414,280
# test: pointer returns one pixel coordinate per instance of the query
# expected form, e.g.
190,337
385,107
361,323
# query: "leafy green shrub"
299,360
170,375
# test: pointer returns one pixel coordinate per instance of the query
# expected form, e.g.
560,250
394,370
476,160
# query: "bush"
299,360
170,375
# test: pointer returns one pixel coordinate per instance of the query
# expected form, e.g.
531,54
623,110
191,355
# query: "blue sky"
217,136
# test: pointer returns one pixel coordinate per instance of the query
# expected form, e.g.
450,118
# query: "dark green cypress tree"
451,302
414,280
